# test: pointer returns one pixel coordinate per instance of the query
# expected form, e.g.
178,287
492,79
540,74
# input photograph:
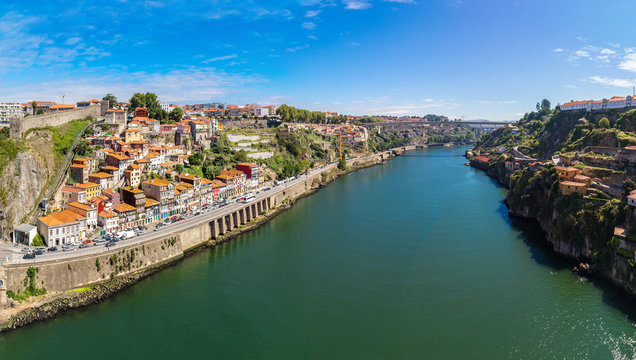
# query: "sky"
481,59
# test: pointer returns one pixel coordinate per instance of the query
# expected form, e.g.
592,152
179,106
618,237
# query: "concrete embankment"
110,271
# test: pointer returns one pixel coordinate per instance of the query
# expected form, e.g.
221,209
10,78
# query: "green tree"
604,123
178,168
629,185
545,105
137,100
82,148
112,101
40,112
176,114
38,241
153,106
241,156
342,163
34,106
195,159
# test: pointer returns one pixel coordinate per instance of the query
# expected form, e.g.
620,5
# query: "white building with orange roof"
62,227
87,210
105,180
108,220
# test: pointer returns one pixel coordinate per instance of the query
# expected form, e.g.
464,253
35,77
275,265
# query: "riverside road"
13,255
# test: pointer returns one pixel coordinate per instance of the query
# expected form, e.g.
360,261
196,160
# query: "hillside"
594,227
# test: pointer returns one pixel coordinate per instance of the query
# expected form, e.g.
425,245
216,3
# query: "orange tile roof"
123,207
573,183
87,185
72,189
247,164
218,183
60,218
151,202
79,166
101,175
63,106
142,161
79,205
157,182
107,214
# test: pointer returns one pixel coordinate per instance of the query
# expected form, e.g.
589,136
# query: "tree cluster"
149,101
291,114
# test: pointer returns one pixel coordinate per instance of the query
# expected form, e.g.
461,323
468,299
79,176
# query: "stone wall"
20,125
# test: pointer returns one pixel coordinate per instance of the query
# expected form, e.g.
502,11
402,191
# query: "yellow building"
567,173
90,188
572,187
132,135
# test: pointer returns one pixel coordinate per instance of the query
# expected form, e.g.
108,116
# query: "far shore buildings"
614,102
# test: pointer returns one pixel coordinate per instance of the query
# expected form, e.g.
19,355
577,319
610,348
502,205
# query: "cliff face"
23,181
576,228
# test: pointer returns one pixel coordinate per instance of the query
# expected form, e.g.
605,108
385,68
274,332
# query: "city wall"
20,125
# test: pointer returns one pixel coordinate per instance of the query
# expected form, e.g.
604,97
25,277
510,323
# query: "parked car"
40,248
99,242
111,243
70,248
54,248
28,256
83,246
38,252
25,250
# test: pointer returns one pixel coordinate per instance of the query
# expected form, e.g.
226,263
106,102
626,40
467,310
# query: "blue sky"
490,59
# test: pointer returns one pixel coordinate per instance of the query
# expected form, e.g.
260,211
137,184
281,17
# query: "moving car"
38,252
54,248
83,246
28,256
112,243
25,250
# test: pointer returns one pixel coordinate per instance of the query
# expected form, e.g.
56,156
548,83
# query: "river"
414,259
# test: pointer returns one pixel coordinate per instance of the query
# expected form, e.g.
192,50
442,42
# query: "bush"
38,241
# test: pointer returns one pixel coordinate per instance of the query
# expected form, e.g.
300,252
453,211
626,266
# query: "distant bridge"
479,124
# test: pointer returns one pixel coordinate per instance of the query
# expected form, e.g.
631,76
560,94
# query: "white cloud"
297,48
312,13
582,53
507,102
558,50
622,83
484,102
356,4
309,25
220,58
628,63
178,86
401,1
73,40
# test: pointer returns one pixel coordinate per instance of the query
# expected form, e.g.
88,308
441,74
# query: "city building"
571,187
62,227
9,110
24,234
89,211
79,173
71,194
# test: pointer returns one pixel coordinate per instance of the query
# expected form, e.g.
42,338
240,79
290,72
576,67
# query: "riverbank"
577,230
49,305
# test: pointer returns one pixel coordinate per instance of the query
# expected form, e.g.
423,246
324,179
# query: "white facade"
165,107
9,110
615,102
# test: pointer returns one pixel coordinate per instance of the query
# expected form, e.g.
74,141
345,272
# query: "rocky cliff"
24,180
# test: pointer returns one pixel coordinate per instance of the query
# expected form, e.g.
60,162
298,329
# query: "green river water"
414,259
